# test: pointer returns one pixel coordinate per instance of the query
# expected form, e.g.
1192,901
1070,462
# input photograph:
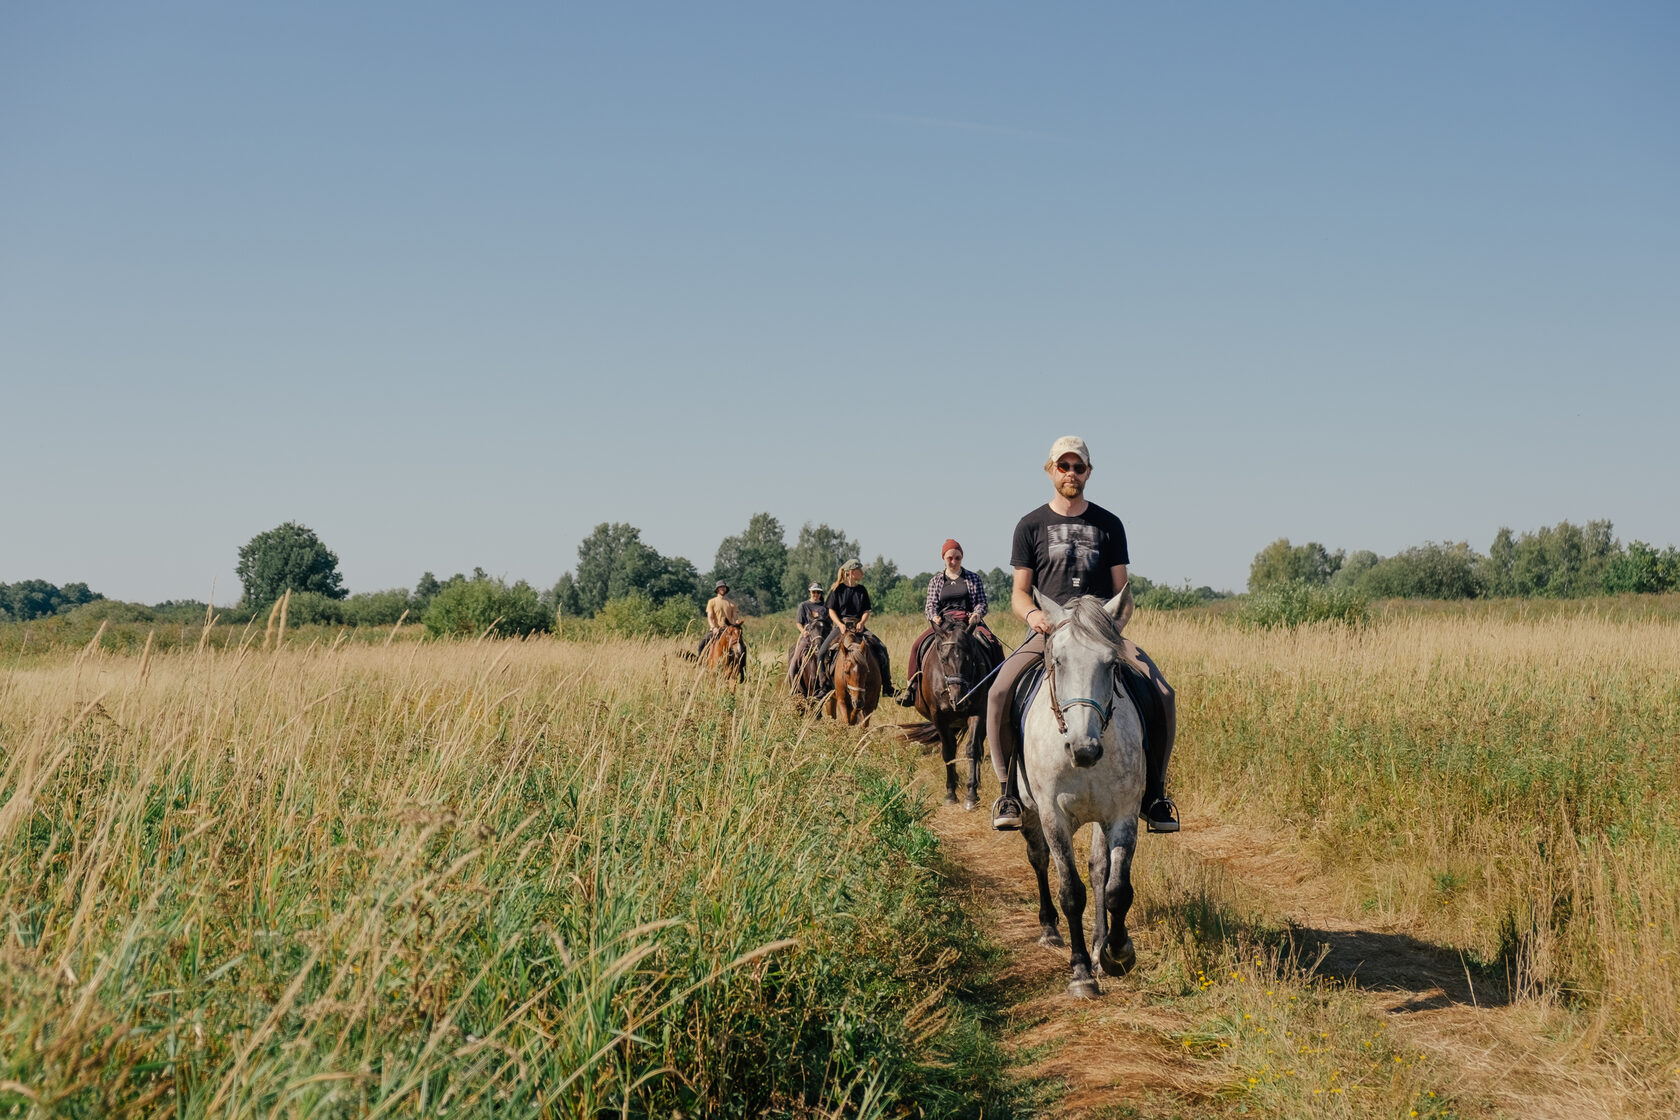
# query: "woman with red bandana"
953,589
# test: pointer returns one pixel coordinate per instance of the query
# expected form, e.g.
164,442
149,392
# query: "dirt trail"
1499,1062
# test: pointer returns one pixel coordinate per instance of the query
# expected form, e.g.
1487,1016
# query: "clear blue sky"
453,283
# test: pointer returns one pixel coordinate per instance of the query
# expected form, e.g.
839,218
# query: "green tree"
1642,569
815,557
753,564
289,557
613,562
1355,566
1280,563
36,598
1000,587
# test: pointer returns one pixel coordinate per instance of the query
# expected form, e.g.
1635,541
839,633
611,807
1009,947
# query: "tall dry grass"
466,879
1508,787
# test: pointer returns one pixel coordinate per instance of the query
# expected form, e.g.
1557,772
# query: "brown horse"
954,662
804,673
727,653
857,679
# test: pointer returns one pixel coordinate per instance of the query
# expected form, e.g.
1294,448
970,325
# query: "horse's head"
1082,658
956,663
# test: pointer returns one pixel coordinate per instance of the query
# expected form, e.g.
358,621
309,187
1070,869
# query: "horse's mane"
1090,621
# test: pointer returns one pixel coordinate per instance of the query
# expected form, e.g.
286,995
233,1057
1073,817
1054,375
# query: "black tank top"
955,596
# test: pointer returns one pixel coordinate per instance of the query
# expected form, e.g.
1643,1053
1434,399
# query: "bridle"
1057,707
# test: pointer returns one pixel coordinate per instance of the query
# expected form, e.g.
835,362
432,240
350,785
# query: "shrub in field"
471,607
636,616
1427,571
115,610
311,608
379,608
1160,597
1295,604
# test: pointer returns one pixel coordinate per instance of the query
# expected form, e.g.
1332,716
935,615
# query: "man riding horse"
953,591
721,611
1064,549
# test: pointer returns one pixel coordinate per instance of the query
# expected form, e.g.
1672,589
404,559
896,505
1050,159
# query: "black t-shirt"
809,610
1070,556
849,602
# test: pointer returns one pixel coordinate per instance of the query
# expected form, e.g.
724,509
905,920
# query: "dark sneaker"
908,698
1006,814
1161,815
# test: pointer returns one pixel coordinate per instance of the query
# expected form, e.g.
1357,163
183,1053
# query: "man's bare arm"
1021,602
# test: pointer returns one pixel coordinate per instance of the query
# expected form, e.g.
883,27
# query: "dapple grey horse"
1081,762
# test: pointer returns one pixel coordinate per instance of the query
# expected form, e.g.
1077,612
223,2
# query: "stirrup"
1006,814
1161,815
908,699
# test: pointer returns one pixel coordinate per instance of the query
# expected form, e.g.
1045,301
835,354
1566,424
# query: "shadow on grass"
1431,976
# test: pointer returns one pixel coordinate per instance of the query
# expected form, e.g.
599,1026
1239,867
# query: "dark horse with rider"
951,662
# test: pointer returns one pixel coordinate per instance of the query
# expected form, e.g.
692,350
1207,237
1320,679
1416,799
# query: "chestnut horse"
954,663
857,679
727,653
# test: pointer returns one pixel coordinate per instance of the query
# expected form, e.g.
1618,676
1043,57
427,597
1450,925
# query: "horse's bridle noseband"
1057,707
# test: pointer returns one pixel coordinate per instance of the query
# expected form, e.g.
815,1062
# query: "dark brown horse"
804,673
727,653
857,679
955,660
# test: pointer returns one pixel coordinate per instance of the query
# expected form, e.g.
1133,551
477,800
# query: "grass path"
1126,1054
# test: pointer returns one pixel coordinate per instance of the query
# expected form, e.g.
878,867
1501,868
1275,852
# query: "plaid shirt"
936,588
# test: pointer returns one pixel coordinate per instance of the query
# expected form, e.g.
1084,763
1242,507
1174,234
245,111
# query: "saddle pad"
1026,687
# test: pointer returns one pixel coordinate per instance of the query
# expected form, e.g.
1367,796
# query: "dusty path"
1492,1050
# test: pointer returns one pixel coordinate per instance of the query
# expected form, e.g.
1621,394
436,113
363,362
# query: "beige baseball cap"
1068,444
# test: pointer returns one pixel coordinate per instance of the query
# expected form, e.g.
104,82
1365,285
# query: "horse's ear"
1113,605
1053,610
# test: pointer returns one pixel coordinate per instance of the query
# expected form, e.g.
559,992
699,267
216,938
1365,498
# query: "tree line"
1562,561
626,585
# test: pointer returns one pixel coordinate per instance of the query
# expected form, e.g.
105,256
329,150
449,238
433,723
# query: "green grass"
504,879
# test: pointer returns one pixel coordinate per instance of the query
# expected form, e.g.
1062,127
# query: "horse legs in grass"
948,733
1072,897
1111,882
1038,854
976,743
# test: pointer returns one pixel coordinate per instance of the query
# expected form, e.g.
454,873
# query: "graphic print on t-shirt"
1074,553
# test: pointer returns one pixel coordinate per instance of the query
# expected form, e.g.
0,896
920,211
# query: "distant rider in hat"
721,611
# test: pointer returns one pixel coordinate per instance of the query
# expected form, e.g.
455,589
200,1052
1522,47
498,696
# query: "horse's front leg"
1115,952
1038,854
948,751
1059,837
976,743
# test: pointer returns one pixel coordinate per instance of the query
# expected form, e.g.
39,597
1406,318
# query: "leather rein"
1106,712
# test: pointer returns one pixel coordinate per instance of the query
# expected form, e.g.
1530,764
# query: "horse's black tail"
920,732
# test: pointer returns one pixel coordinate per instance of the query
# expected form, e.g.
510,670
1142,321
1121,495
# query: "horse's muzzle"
1086,751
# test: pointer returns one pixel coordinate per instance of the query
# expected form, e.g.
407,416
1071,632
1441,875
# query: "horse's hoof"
1118,964
970,805
950,799
1084,989
1050,939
